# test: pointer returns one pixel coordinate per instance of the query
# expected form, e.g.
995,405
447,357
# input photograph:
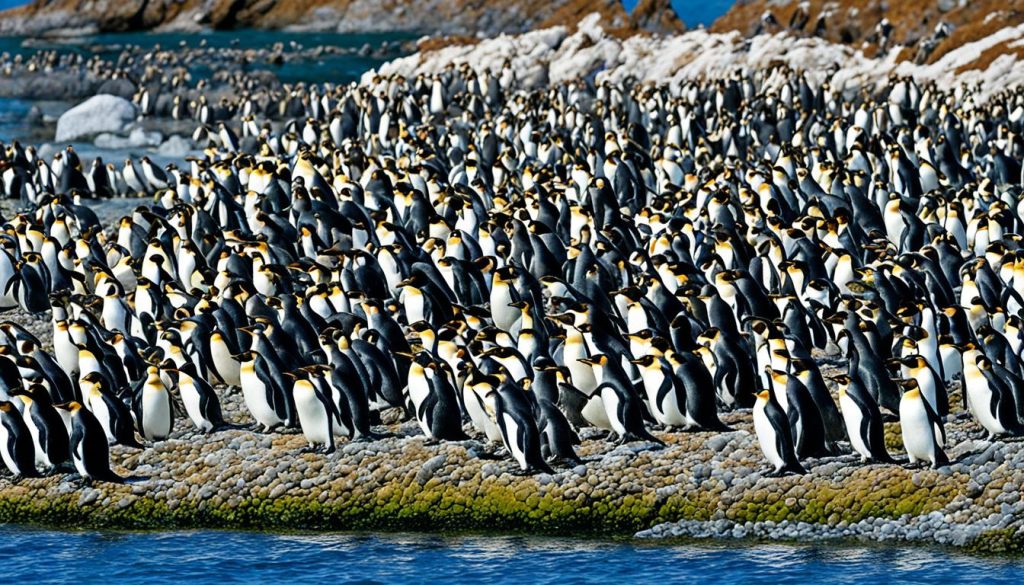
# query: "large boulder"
96,115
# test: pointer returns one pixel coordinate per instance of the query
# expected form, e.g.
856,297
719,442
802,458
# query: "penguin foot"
431,442
327,450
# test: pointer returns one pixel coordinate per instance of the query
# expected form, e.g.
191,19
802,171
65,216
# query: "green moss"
1000,541
520,506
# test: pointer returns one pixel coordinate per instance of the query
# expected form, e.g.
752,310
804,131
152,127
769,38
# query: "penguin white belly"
414,307
979,400
227,366
156,414
512,442
595,413
611,408
254,393
102,414
66,353
504,316
190,398
482,422
313,419
927,383
766,437
951,362
916,430
78,457
419,390
41,459
853,418
5,440
667,411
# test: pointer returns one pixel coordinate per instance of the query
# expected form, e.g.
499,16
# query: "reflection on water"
249,557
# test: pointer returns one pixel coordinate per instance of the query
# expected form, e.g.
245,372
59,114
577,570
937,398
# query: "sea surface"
213,557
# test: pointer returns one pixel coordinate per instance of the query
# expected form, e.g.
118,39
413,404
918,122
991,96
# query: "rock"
430,468
138,138
96,115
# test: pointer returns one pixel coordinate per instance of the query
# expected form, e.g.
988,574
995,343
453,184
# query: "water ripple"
199,557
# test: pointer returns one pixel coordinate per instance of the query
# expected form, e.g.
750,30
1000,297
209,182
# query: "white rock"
96,115
175,146
136,138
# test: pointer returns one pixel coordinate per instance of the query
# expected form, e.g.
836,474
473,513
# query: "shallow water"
201,557
335,68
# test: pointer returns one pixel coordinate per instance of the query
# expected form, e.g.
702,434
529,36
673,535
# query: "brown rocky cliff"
432,17
913,22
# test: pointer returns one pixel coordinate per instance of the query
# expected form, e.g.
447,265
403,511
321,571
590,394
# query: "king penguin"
16,442
774,435
923,434
316,416
89,449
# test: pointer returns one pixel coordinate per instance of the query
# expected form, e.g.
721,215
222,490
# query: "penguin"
434,401
263,393
987,397
519,431
623,411
775,436
199,399
557,437
49,437
113,415
317,414
16,448
89,450
154,411
863,421
923,433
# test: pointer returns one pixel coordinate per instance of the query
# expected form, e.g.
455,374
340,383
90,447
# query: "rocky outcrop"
433,17
101,114
594,52
925,30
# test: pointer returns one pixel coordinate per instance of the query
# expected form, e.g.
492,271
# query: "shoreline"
700,486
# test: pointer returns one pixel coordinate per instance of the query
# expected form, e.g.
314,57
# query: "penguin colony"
516,265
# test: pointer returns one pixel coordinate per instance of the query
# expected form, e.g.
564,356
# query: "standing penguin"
557,437
201,403
923,434
262,392
154,413
16,442
519,431
774,435
316,416
434,401
49,437
863,420
89,449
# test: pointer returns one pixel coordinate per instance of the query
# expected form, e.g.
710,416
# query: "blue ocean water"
213,557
